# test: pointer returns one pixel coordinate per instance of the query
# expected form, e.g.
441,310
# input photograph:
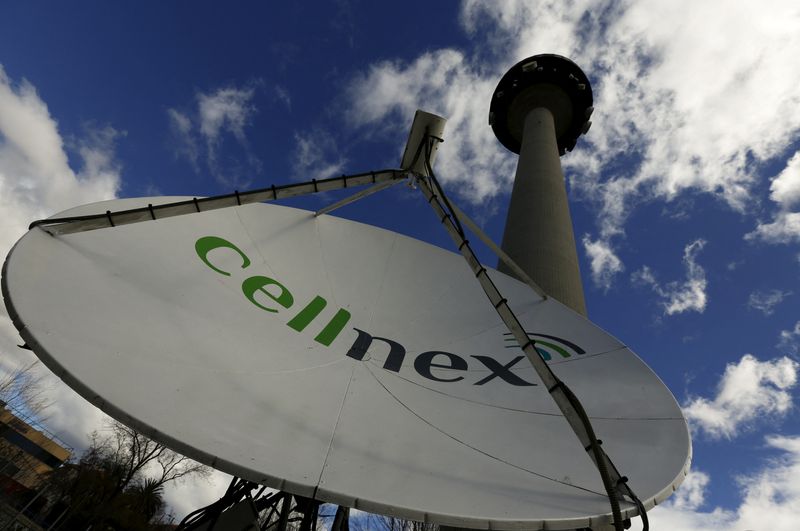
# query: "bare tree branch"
136,456
22,389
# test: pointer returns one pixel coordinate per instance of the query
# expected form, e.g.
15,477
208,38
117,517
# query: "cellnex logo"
547,345
424,363
277,292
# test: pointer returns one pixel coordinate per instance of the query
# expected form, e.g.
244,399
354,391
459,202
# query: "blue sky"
685,194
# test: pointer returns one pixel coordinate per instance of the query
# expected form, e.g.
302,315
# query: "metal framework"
70,224
266,511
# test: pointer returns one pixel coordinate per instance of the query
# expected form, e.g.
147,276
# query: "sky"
685,193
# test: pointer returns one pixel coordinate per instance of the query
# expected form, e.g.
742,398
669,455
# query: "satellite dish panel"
340,361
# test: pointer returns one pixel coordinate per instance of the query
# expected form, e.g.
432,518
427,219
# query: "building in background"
28,452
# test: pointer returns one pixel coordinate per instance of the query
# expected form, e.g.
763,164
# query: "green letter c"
206,244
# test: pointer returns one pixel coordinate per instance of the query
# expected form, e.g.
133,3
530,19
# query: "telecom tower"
538,110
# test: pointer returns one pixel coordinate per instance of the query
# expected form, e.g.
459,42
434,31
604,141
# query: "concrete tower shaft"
539,109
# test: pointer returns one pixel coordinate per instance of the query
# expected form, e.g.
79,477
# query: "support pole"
286,508
341,522
538,234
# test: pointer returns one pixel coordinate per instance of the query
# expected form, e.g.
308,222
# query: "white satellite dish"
343,362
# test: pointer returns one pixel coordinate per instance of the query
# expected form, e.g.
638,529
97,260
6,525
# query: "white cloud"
604,263
667,517
646,60
282,95
785,191
227,109
789,340
181,122
676,109
182,131
316,156
37,180
220,114
680,297
785,188
733,266
775,491
766,301
770,496
748,390
444,82
785,228
691,494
